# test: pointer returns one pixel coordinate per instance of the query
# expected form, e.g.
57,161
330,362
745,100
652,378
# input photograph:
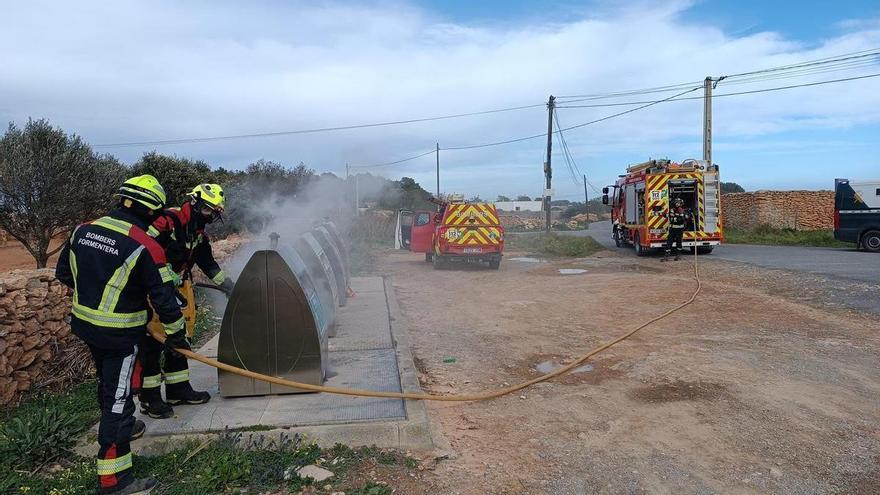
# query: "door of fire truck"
415,230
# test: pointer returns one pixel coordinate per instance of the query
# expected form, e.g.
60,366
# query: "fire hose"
158,335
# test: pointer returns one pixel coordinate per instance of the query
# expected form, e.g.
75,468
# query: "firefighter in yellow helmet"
181,233
113,267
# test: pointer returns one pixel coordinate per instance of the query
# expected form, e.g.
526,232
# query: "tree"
523,198
476,199
177,175
502,198
731,187
49,183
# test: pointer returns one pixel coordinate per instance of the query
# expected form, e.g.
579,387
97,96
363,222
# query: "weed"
768,235
372,489
46,426
554,244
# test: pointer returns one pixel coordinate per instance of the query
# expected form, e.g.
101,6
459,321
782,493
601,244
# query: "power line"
738,93
311,131
863,56
645,104
838,58
394,162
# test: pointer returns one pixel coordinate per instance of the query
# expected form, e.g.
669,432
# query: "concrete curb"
412,434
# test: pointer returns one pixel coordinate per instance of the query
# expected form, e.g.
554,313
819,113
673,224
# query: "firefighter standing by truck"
181,233
112,265
678,217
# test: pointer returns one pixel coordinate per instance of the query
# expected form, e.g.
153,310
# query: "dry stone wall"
33,331
33,307
799,210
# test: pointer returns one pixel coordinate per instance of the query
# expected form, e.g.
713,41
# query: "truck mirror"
604,190
605,197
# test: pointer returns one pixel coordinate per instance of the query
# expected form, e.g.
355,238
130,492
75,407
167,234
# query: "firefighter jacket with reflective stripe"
112,265
677,219
185,242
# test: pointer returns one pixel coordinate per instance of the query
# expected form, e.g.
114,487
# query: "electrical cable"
310,131
394,162
738,93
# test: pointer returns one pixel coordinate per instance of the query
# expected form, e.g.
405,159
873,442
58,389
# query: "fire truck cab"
457,232
641,199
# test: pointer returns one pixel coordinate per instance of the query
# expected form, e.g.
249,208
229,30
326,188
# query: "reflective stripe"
219,277
113,466
153,231
167,273
175,326
108,319
123,385
177,376
113,224
152,381
73,270
118,281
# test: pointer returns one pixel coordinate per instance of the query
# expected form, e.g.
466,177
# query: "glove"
227,285
177,340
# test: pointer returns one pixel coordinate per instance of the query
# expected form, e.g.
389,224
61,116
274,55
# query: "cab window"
422,219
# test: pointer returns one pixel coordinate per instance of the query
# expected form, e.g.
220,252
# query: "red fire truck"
458,232
641,198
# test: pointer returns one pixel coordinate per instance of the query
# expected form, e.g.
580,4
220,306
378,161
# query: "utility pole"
357,193
586,201
708,85
438,171
548,169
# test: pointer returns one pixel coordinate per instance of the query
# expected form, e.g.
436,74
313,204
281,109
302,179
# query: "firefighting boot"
152,404
138,429
138,486
677,256
665,256
180,394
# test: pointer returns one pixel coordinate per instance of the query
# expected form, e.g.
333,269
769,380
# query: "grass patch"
767,235
41,431
35,457
553,244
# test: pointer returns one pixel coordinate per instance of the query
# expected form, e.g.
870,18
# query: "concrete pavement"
370,351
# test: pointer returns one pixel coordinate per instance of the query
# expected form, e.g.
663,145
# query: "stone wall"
33,332
33,306
799,210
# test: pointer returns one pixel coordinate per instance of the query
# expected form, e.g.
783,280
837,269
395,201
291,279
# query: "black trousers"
118,378
158,365
673,240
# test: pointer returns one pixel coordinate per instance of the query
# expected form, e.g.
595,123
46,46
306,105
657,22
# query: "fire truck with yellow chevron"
641,198
458,232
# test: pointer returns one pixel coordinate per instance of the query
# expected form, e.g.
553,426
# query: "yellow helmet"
144,189
211,194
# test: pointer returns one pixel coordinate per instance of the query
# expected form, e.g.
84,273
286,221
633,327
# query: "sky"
134,71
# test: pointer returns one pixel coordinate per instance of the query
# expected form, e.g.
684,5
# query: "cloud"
131,71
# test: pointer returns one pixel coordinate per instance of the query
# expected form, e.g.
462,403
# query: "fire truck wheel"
494,264
438,262
704,249
616,236
637,243
429,257
871,241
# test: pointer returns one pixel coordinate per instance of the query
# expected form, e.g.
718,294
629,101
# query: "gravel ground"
763,385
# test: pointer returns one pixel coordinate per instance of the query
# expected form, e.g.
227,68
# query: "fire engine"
641,199
458,232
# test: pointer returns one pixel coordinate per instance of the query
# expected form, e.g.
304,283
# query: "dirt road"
752,389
